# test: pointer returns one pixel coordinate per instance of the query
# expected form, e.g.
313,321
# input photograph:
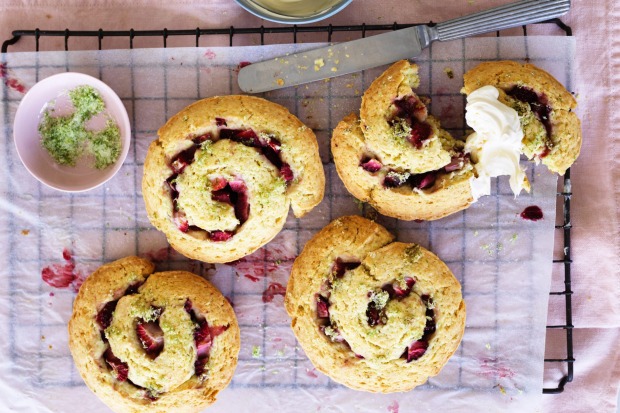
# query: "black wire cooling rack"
194,35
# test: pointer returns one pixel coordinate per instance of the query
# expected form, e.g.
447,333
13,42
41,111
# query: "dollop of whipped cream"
495,146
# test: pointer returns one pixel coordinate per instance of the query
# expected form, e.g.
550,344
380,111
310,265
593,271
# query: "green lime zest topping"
256,353
380,299
66,138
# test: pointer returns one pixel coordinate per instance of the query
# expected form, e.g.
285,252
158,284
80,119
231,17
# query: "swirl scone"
397,157
373,314
152,342
221,177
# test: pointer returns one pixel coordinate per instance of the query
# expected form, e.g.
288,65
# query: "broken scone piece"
518,108
397,157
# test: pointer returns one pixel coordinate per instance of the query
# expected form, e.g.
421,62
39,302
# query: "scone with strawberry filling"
373,314
152,342
397,157
221,177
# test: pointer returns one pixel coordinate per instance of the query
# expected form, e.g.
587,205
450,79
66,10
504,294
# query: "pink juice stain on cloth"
10,81
394,407
272,290
241,65
490,368
63,275
312,373
251,277
160,255
250,267
210,54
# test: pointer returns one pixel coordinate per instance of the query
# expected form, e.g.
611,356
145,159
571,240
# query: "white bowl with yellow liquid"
293,11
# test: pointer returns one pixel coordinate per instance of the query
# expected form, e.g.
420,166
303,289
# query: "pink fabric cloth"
595,212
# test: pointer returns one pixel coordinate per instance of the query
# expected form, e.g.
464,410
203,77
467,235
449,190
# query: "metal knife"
348,57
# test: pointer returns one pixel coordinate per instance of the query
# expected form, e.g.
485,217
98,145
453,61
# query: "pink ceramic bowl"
33,155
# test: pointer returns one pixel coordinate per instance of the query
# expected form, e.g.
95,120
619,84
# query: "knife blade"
354,56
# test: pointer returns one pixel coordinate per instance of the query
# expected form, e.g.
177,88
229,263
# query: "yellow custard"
298,8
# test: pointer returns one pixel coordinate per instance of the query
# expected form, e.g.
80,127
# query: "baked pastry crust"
564,144
369,358
169,381
374,136
268,193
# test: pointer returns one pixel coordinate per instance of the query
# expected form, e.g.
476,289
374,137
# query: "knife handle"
503,17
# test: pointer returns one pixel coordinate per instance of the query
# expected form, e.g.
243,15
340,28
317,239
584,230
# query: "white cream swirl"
495,146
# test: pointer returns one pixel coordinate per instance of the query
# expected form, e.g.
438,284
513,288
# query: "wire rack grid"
195,35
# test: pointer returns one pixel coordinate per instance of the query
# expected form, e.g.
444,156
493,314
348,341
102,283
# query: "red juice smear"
63,275
272,290
532,213
394,407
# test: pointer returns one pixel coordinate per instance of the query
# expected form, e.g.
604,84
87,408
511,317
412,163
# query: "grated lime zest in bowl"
67,138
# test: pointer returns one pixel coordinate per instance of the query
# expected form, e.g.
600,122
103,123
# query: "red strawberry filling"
234,192
151,335
416,350
322,306
180,220
410,107
370,164
457,162
539,104
340,267
395,290
425,180
203,338
104,320
375,315
420,131
220,236
418,347
104,316
413,112
120,369
395,179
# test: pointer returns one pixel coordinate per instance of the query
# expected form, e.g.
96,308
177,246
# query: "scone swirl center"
247,192
153,374
402,320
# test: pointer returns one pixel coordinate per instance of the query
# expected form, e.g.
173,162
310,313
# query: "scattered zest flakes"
334,69
318,64
280,81
256,352
448,71
488,346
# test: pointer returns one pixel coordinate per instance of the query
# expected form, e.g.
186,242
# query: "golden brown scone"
552,131
451,192
396,157
373,314
152,342
220,178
